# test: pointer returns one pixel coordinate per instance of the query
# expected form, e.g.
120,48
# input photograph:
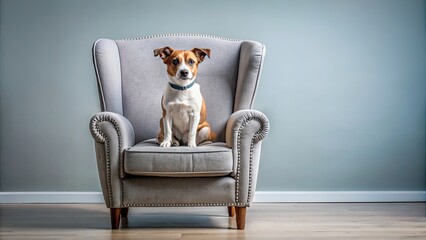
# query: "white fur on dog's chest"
182,105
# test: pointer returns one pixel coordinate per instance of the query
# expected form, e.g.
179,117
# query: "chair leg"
115,217
231,211
124,212
241,217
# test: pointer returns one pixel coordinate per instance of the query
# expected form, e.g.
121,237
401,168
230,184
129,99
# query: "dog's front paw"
166,144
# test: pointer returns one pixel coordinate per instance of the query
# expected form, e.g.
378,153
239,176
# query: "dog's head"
182,65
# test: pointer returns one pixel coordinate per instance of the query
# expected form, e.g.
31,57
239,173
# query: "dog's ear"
164,52
201,53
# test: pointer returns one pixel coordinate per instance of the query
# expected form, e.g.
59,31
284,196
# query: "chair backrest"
131,80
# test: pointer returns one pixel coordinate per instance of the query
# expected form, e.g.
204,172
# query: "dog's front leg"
167,124
193,124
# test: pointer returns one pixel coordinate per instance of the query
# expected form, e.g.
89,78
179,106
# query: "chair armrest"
245,131
112,133
237,126
120,127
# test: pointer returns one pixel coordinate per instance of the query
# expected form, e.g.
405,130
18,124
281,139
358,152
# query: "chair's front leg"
115,217
241,217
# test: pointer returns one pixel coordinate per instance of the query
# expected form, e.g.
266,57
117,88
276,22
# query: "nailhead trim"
180,35
185,205
102,137
250,171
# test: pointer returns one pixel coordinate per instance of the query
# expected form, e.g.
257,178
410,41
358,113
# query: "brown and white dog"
184,120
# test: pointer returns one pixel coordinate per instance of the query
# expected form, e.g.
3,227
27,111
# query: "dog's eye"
191,62
175,61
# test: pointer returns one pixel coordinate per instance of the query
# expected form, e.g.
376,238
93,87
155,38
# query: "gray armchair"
133,170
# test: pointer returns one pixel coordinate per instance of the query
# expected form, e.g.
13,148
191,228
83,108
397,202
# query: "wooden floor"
264,221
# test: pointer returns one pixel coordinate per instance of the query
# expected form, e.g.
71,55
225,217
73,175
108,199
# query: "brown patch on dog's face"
181,60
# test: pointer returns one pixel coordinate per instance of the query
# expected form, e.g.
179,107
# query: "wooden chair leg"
115,217
124,212
231,211
241,217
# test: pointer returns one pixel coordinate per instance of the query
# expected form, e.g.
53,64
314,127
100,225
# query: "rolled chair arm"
113,133
244,132
121,125
238,121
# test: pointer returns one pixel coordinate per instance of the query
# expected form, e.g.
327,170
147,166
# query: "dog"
184,120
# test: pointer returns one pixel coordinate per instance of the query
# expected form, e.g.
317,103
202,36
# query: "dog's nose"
184,73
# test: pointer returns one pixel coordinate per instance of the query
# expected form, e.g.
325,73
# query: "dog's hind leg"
204,136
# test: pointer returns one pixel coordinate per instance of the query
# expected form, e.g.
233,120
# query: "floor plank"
264,221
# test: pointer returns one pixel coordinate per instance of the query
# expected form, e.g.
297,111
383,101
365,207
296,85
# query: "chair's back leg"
124,212
231,211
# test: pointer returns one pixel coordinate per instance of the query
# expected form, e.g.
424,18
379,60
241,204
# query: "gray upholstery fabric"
245,131
148,159
159,191
131,82
103,172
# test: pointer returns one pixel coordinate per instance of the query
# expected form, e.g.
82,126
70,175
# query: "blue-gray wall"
344,86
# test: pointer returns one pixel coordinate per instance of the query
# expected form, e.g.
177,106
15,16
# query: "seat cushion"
148,159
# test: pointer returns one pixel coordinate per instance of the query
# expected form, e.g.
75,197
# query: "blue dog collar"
177,87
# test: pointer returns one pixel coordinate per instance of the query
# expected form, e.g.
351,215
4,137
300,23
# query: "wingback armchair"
133,170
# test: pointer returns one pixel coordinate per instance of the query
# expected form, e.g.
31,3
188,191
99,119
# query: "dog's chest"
182,105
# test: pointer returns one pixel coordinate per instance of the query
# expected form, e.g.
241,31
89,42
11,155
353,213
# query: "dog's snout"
184,73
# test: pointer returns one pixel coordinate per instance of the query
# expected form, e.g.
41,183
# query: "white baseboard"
260,196
340,196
